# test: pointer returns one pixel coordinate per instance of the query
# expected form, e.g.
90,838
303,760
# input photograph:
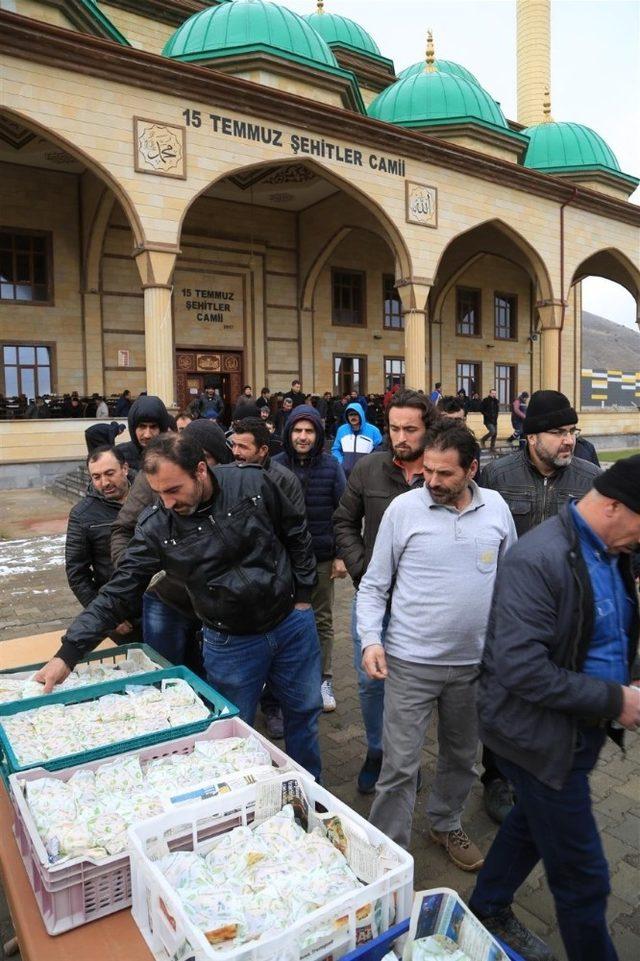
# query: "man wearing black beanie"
560,671
535,482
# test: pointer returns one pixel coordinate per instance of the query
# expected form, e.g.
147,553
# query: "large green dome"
435,99
556,147
343,32
444,66
244,26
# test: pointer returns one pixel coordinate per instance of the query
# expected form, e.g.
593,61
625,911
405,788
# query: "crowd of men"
504,598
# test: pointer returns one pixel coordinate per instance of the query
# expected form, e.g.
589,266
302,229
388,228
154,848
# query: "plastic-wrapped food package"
437,947
119,792
17,686
256,881
57,730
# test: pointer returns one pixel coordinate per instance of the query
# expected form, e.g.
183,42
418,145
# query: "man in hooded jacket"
147,418
355,438
323,482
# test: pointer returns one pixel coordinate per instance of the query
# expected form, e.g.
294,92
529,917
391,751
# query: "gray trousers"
322,603
411,693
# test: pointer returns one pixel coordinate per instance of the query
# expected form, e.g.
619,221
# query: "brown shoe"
460,848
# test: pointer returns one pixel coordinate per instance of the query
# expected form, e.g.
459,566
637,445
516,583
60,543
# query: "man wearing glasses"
536,483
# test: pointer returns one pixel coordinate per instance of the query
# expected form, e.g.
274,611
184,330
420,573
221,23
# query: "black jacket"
531,497
245,559
87,554
372,485
490,408
145,408
532,693
321,478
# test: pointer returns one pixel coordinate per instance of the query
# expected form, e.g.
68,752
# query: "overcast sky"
595,71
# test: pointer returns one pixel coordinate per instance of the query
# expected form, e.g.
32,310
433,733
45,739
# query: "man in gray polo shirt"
436,556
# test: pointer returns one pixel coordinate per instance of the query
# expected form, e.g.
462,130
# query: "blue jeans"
370,692
238,665
172,634
559,827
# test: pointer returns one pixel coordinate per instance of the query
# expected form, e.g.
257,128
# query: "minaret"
534,59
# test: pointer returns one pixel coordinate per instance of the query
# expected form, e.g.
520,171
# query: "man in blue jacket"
323,482
355,439
559,667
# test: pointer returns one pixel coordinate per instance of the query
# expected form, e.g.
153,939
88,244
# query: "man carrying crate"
244,554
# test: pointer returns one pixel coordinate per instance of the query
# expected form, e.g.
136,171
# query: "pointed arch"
611,264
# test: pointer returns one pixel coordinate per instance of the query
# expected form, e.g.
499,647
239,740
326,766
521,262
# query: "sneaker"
328,697
460,848
369,773
498,799
513,933
274,723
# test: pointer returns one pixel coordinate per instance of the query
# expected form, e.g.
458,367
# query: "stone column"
156,270
550,315
414,310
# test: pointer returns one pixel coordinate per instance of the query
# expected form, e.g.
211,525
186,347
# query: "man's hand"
374,662
124,628
630,715
302,607
338,570
55,672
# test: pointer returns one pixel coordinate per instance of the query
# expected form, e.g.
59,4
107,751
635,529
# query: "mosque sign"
421,204
159,148
209,308
296,142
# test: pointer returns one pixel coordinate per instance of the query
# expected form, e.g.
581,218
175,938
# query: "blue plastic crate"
376,950
219,707
113,654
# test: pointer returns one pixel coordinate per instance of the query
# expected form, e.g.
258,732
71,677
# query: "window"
469,377
348,298
25,267
393,372
26,369
505,312
506,384
392,317
349,373
467,312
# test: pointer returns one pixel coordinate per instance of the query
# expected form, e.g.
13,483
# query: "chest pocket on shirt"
486,555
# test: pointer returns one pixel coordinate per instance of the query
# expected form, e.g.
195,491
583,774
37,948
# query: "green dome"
567,146
430,99
444,66
244,26
343,32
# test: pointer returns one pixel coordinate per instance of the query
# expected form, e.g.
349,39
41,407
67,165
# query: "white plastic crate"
159,913
81,889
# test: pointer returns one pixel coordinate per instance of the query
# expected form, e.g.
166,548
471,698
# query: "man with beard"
372,485
536,483
435,545
244,554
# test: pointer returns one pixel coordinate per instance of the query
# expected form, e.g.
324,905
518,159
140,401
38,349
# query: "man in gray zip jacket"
536,483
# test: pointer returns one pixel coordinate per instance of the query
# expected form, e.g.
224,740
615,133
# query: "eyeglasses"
569,432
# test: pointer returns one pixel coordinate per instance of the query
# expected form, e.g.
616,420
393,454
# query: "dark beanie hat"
547,410
621,482
211,437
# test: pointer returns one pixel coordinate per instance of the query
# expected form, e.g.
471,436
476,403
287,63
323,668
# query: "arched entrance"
263,252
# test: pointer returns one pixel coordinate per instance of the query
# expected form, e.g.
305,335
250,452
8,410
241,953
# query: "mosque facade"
231,193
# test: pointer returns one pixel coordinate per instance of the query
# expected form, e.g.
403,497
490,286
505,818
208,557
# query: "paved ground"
34,597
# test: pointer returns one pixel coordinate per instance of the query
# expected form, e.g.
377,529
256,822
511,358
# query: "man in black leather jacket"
244,554
87,548
536,483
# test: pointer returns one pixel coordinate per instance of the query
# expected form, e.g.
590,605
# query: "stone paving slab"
616,782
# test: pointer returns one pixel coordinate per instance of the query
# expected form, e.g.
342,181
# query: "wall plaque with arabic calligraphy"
159,148
421,204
